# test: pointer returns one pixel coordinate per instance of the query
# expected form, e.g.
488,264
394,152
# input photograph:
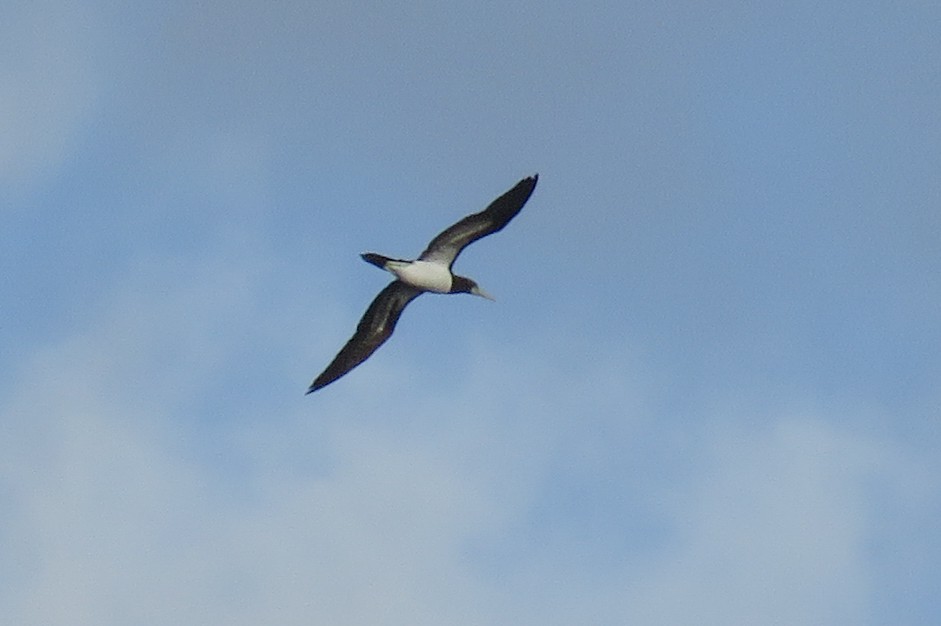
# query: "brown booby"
430,272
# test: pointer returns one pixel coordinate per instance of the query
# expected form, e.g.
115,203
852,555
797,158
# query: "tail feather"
376,259
382,262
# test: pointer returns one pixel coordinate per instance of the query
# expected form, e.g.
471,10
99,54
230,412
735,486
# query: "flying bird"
430,272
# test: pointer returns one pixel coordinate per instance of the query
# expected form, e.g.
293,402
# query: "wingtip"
311,390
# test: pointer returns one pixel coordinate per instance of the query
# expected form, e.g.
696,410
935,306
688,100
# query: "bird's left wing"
446,246
376,326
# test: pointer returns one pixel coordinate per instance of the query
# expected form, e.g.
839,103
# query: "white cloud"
134,493
774,530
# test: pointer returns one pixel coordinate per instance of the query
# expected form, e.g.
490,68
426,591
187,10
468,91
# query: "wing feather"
448,245
372,331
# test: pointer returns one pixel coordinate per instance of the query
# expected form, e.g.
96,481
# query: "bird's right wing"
376,326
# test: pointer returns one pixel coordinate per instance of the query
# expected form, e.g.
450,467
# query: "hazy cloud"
49,82
355,516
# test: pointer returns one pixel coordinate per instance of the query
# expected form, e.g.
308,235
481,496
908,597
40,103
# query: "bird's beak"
477,291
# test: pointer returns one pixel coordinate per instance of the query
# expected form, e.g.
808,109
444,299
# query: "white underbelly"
424,275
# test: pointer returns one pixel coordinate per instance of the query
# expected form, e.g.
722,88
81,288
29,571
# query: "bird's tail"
378,260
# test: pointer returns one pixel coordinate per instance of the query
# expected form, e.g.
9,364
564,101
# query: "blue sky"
708,393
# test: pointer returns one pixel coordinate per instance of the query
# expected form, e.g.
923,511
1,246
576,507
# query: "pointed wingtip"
311,390
530,181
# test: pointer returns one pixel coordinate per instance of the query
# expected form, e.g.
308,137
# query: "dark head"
461,284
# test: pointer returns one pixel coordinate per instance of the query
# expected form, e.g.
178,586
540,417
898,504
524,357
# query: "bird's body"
431,272
425,275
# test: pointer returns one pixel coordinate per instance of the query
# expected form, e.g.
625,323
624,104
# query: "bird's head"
461,284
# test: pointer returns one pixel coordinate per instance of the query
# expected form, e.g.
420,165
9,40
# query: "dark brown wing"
445,247
376,326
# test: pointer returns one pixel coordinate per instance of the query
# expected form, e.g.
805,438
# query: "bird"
430,272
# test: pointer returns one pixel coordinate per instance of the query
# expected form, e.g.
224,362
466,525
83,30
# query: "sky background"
709,391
